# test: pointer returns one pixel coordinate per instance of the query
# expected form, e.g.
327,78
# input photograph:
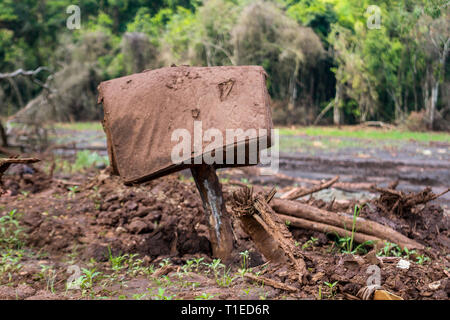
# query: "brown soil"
164,219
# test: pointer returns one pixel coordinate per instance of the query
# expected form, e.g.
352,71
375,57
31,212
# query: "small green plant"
10,263
319,294
49,275
225,279
117,262
204,296
197,262
346,244
165,262
188,266
422,259
24,194
331,289
246,291
87,279
11,233
214,266
393,250
135,265
89,275
356,213
139,296
72,191
149,270
390,250
408,253
244,266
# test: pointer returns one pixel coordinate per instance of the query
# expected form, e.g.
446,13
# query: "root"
269,233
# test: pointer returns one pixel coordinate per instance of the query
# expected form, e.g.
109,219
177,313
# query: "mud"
164,219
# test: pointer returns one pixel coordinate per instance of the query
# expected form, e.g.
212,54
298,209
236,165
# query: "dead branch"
67,182
29,73
328,229
301,192
323,112
345,222
163,271
393,201
378,124
6,163
22,72
271,282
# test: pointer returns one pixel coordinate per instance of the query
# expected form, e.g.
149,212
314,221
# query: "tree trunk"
3,136
336,110
433,103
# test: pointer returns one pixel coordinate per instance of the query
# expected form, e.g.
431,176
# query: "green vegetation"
162,296
79,126
48,274
84,160
11,233
346,244
10,263
311,242
393,250
326,57
244,266
204,296
331,289
421,259
87,159
366,134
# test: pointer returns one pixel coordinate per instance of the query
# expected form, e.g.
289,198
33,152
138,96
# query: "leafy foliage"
317,53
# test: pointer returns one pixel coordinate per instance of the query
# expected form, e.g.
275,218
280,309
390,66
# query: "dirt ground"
151,242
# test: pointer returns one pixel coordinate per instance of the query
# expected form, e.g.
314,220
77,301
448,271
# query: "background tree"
320,55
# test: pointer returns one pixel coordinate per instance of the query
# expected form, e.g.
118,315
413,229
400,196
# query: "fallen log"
6,163
326,228
271,282
301,192
363,226
270,235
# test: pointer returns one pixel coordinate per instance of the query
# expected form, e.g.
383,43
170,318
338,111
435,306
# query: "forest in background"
325,64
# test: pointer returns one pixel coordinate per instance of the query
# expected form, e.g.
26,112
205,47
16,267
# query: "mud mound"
158,218
424,222
155,219
25,178
164,218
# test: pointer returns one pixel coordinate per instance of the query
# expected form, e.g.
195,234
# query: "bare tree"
32,74
435,42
